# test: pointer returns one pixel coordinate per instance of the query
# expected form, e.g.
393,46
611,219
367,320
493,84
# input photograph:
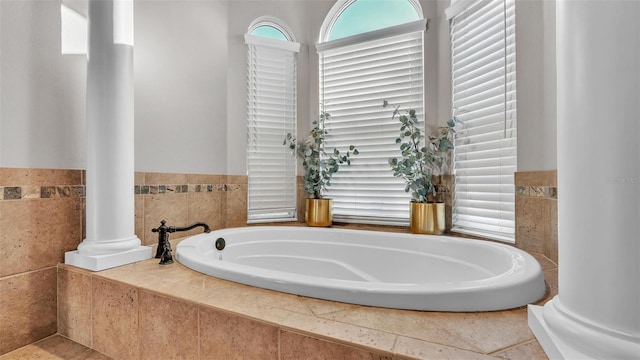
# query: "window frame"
396,186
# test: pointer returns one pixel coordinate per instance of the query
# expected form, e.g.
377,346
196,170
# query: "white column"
597,311
110,214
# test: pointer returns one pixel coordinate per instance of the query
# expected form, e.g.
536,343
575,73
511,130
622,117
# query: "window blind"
271,114
355,78
484,98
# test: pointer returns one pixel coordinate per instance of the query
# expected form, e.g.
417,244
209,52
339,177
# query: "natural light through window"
362,16
73,31
269,32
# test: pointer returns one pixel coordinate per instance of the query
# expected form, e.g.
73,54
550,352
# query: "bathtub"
392,270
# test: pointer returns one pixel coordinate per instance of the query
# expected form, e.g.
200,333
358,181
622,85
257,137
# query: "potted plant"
319,167
419,161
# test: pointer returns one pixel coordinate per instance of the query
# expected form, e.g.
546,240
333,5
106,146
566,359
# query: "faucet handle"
162,228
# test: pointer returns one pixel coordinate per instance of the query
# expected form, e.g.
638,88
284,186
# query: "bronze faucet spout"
163,252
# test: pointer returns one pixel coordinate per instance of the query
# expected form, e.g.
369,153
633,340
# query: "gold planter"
427,218
318,212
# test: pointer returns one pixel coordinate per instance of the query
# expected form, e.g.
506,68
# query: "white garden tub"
393,270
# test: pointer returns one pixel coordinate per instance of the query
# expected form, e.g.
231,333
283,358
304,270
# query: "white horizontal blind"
484,98
271,114
354,80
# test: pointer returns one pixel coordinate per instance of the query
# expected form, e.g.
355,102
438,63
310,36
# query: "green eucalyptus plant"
420,159
319,166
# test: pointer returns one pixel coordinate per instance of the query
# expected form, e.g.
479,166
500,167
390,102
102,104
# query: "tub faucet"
164,246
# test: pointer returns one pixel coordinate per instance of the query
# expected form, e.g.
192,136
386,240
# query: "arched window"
370,51
270,27
362,16
271,114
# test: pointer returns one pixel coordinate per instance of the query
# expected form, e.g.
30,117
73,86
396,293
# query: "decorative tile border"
78,191
547,192
41,192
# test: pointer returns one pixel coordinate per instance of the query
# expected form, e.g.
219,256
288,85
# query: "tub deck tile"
419,325
353,330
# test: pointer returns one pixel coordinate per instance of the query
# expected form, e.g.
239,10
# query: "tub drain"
220,243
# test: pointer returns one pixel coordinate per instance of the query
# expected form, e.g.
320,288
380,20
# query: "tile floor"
397,334
53,348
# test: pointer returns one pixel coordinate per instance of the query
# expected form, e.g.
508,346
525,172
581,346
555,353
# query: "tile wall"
183,199
42,217
537,212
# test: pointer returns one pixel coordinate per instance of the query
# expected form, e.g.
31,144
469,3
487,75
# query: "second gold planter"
318,212
427,218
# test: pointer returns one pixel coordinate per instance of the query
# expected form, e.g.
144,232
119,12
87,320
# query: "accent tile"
522,190
228,336
64,191
537,191
27,308
48,192
115,319
31,192
12,193
168,328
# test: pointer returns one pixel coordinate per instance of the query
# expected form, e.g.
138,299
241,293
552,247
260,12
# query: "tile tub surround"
183,199
537,212
40,219
172,311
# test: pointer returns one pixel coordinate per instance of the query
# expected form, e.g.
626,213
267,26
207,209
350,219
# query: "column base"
564,337
107,261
